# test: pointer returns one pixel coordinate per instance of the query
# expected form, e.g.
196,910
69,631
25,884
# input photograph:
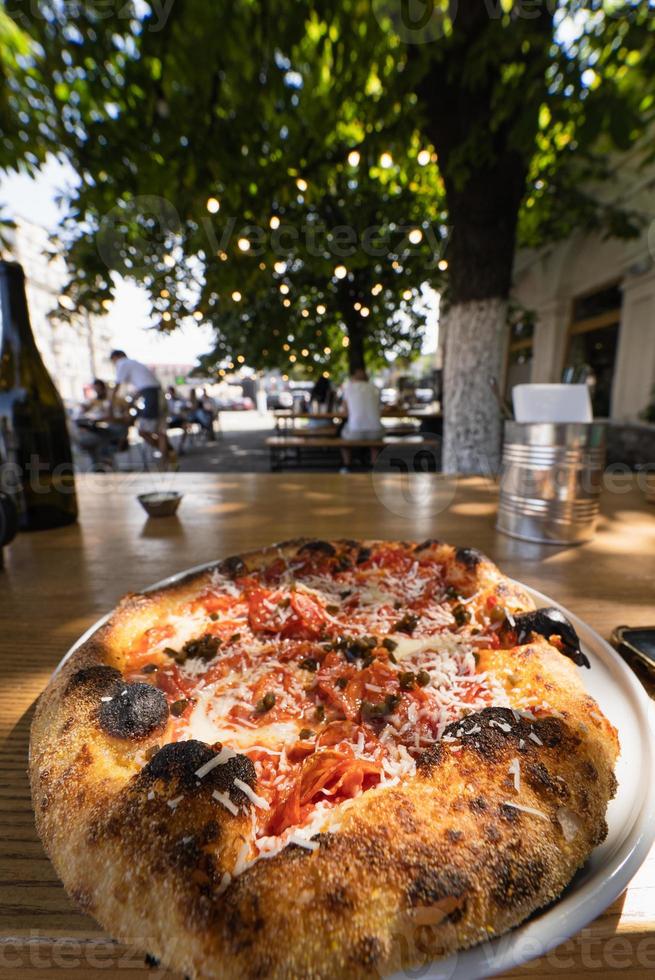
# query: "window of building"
593,343
519,355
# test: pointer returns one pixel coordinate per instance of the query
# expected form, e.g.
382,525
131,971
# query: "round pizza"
322,760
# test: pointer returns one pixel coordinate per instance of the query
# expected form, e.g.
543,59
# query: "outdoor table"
285,418
57,583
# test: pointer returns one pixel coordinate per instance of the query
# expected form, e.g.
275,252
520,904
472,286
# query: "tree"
522,102
337,276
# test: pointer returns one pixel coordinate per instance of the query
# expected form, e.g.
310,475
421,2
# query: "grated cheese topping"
332,681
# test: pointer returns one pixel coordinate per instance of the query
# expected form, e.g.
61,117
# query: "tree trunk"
484,157
473,346
355,349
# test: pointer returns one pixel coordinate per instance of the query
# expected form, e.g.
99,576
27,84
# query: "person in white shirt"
151,413
361,400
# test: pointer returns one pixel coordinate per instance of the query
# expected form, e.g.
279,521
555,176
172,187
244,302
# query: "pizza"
322,760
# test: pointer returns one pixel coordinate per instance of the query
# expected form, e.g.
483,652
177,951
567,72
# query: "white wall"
547,282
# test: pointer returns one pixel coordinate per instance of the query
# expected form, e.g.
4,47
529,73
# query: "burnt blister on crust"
134,711
428,543
469,557
487,732
516,880
316,545
179,763
99,679
232,567
549,622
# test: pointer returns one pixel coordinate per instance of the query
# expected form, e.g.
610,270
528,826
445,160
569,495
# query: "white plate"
630,818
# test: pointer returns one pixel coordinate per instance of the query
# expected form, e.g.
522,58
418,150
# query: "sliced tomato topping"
329,774
264,611
308,621
174,684
213,602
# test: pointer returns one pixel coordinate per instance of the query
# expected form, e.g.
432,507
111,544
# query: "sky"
129,316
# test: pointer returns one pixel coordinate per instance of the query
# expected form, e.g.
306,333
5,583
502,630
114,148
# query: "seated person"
178,415
100,430
201,412
361,402
320,401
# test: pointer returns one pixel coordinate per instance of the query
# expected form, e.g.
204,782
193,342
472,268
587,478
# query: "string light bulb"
386,160
415,236
243,244
286,302
280,267
274,222
236,296
364,311
407,294
377,289
442,265
213,205
301,184
197,315
284,289
423,158
353,158
320,309
340,272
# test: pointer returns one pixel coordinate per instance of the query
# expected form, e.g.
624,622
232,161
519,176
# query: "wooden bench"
289,449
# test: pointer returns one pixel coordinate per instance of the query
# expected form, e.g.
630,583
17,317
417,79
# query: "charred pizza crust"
501,812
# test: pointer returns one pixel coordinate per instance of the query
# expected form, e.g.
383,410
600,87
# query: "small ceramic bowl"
160,504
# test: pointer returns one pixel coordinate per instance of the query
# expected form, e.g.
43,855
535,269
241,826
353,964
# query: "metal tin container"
550,481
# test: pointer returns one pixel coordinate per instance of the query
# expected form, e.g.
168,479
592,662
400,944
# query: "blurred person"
102,426
361,402
151,424
178,415
321,396
200,412
321,400
210,407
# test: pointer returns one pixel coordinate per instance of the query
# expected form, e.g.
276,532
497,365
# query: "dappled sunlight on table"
474,509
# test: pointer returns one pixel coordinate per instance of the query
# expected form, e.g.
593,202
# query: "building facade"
74,352
591,309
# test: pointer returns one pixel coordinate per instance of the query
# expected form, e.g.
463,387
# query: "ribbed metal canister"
550,482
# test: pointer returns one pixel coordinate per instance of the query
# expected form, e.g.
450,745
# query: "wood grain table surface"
55,584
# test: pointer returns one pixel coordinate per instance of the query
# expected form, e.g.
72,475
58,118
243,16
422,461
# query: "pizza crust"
416,871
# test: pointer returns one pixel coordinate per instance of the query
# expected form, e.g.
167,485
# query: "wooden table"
56,583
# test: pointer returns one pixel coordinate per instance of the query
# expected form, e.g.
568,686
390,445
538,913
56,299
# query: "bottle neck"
15,329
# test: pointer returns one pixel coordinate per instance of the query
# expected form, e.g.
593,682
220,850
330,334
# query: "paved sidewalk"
240,447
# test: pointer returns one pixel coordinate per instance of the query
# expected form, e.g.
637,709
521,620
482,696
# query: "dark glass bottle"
36,463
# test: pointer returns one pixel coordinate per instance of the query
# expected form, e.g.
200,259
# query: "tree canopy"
167,113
